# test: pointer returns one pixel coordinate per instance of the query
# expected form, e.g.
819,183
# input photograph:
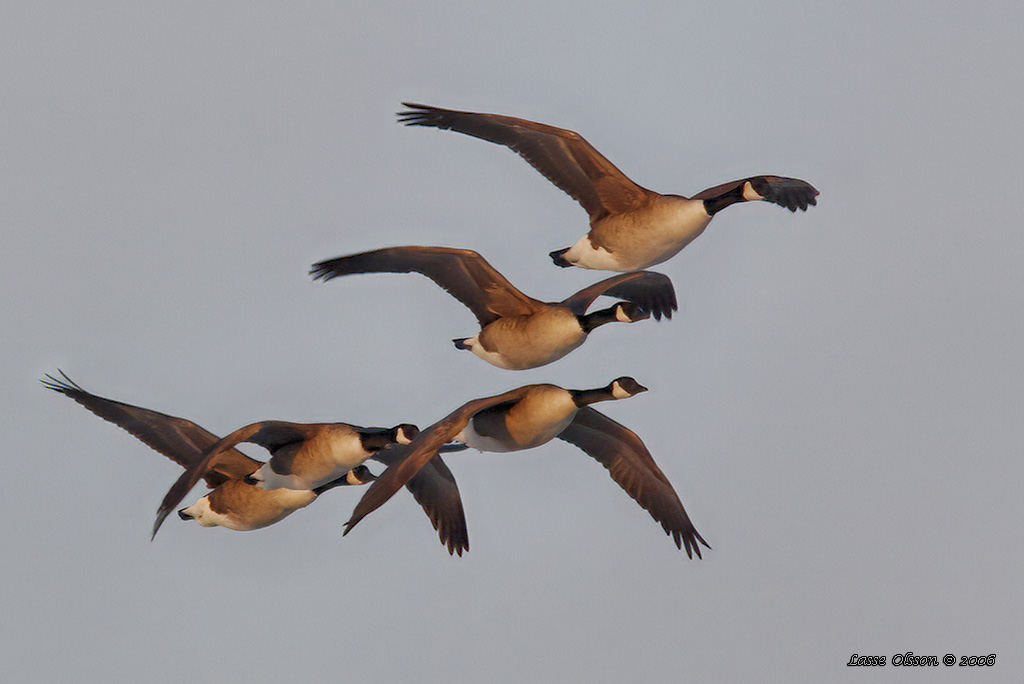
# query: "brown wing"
791,193
435,490
421,451
622,452
178,439
561,155
270,434
463,273
650,290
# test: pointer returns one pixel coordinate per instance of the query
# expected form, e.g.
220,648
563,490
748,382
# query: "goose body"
533,415
517,332
631,227
528,340
535,419
305,456
640,238
238,505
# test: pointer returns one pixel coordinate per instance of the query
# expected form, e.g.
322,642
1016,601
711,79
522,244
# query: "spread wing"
791,193
650,290
270,434
420,451
561,155
178,439
435,490
629,463
463,273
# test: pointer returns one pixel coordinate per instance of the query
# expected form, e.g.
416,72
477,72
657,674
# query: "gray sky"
837,403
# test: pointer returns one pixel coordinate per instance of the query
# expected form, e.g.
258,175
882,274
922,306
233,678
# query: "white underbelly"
324,473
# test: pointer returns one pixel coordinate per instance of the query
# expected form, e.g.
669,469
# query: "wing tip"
63,384
457,548
161,515
690,540
421,115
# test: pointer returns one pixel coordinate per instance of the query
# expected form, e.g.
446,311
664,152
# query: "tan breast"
538,418
241,506
532,340
652,234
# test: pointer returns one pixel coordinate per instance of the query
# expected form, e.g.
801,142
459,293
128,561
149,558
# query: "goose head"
625,387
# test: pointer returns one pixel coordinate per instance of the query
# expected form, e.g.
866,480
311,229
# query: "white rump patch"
584,255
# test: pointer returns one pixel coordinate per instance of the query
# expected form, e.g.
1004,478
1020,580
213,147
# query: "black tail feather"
560,260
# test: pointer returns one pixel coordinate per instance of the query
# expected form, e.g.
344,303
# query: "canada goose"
532,415
631,228
240,505
307,455
517,331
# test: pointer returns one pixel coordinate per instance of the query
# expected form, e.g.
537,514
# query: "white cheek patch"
749,194
618,392
401,438
200,512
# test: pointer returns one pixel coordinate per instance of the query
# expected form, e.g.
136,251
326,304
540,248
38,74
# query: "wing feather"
435,490
632,467
270,434
562,156
791,193
462,273
650,290
420,451
178,439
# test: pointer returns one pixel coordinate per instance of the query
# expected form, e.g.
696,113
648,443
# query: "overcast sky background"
838,401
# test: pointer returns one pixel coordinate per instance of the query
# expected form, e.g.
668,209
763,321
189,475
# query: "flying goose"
631,227
240,505
532,415
517,331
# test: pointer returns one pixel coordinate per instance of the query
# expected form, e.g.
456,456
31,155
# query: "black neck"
584,397
337,482
375,439
713,205
592,320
